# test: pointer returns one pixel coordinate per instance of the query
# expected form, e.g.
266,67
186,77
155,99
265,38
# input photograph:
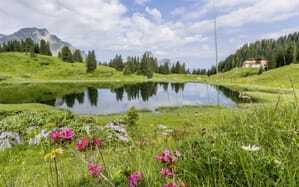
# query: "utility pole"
215,36
216,47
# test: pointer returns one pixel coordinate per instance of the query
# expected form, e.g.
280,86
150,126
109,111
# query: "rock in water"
9,139
119,130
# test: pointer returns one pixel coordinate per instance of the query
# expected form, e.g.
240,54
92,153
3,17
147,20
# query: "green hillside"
21,67
283,77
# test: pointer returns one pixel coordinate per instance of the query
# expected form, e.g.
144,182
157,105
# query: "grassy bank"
254,144
214,142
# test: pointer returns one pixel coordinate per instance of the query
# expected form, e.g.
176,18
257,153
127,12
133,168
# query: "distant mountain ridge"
37,34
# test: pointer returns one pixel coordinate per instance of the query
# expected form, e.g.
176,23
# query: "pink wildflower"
55,135
172,184
97,142
67,133
166,172
82,144
166,157
94,169
134,178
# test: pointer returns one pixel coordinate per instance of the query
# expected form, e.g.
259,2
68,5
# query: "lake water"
146,96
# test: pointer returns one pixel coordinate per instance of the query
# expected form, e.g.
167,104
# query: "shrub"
132,116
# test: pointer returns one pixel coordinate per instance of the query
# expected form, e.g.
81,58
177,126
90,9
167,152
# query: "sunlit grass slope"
284,77
21,67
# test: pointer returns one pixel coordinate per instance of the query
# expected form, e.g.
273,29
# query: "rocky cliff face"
36,35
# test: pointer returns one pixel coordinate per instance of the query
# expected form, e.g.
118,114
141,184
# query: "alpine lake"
102,100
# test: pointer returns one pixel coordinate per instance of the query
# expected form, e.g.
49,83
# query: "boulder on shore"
119,130
9,139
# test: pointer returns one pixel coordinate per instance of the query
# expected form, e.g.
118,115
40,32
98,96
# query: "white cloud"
108,27
261,11
102,25
277,34
155,13
179,11
142,2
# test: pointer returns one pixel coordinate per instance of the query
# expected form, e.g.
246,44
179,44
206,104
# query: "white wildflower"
277,162
251,148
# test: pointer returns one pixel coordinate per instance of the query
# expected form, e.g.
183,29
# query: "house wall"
252,64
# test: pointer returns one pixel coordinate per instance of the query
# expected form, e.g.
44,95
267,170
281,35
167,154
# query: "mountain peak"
37,34
28,30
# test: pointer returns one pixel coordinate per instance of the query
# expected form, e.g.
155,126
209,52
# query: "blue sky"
175,29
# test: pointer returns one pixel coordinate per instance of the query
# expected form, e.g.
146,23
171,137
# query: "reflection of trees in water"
70,99
133,91
148,90
233,95
165,86
177,87
92,96
80,97
119,93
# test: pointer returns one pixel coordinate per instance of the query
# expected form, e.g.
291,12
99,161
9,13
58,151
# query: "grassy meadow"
250,144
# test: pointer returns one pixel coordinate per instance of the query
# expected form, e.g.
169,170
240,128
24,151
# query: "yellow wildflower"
53,154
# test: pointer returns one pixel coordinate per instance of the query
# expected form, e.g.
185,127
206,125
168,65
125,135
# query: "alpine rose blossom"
55,135
172,184
166,157
67,133
82,144
97,142
166,172
134,178
94,169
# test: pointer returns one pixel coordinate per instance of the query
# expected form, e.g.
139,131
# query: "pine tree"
295,51
28,45
59,55
289,55
43,47
129,67
66,54
32,52
48,49
91,62
77,56
145,66
117,63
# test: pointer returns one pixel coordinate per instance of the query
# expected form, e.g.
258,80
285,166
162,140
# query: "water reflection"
148,95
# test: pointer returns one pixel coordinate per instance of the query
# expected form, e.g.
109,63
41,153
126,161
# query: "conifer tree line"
43,48
280,52
27,46
145,65
66,55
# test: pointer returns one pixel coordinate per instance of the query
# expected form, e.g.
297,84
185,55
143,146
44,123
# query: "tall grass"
220,160
220,156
